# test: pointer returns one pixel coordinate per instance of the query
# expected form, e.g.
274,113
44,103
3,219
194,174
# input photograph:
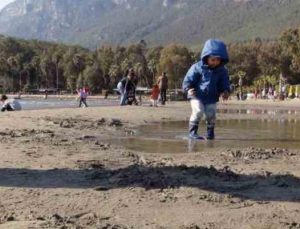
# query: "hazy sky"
4,3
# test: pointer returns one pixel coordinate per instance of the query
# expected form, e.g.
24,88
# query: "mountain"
94,22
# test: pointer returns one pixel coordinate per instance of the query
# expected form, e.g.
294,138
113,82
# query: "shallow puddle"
171,137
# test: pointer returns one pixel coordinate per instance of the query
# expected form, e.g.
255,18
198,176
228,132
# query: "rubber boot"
193,132
210,132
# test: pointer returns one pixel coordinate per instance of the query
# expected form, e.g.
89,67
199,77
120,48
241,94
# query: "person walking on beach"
163,87
10,104
204,83
154,95
82,97
127,89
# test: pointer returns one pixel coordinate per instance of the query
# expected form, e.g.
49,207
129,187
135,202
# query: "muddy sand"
59,171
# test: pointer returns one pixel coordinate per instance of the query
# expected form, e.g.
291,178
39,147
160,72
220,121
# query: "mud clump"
27,133
7,218
151,177
113,226
115,122
79,221
66,124
91,164
103,146
257,153
85,123
192,226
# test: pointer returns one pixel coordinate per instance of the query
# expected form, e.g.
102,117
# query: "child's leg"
155,102
84,102
197,113
210,113
80,102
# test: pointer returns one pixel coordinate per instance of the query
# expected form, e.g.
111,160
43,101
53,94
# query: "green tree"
94,78
175,60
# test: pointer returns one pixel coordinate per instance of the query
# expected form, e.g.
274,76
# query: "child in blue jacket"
204,83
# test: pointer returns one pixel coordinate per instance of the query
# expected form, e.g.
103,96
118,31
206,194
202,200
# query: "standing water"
171,137
54,103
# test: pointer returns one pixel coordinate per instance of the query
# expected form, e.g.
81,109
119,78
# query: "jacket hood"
215,47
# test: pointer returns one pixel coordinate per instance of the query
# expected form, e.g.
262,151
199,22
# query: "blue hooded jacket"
208,83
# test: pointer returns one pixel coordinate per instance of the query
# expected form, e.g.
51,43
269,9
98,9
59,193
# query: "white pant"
199,109
154,102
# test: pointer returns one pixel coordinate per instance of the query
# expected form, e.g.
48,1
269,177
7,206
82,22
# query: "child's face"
213,62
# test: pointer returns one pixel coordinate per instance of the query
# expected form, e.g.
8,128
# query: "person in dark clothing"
10,104
127,89
163,87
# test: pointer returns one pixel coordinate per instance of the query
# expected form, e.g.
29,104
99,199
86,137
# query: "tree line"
31,65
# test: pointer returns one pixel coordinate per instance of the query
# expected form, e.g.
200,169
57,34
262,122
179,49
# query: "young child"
163,87
204,83
154,95
82,97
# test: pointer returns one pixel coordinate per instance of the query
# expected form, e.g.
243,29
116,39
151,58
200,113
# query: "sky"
4,3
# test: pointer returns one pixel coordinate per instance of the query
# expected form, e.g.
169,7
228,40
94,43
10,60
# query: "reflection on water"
257,111
171,137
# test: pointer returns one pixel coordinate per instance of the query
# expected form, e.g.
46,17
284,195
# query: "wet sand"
58,171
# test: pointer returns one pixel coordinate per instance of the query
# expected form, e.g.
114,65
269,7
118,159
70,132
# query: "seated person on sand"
10,104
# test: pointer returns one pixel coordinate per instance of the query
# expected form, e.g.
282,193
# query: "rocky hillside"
94,22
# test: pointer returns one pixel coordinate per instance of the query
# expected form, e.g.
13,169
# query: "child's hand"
225,95
192,92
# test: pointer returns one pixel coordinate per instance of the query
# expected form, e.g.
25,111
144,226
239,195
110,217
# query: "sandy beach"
59,171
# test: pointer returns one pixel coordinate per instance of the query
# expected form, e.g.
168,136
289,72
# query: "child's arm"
224,84
189,79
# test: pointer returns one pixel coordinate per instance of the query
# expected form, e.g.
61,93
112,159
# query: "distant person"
204,83
255,94
87,90
82,97
263,94
154,95
270,93
163,87
275,94
238,96
10,104
127,89
285,92
46,94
